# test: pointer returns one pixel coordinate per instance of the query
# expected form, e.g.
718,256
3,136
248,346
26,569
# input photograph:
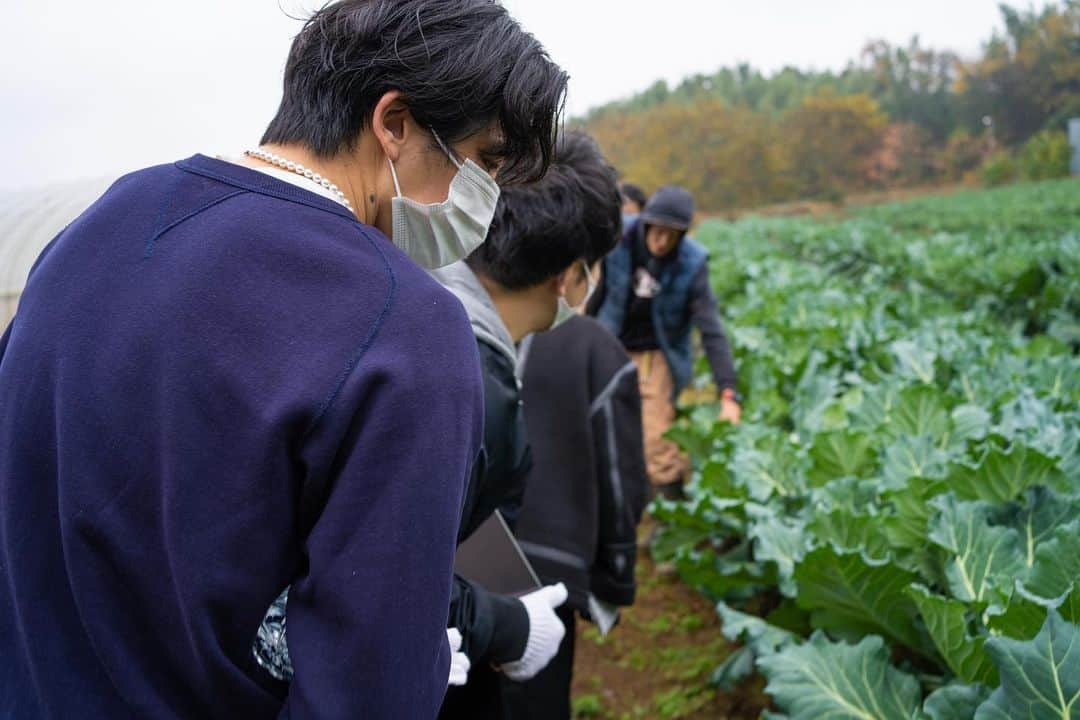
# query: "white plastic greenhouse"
29,219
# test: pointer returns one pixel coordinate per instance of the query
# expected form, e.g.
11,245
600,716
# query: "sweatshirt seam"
294,194
148,250
167,203
391,294
367,342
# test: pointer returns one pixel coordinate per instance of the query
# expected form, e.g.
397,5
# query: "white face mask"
442,233
566,310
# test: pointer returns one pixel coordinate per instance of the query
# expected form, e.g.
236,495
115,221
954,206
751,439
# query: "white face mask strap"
445,149
393,174
590,284
586,273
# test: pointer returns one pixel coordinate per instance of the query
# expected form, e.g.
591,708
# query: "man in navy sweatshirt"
229,376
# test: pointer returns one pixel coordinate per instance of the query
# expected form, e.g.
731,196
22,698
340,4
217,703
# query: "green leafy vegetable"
1040,678
947,622
851,596
983,559
822,679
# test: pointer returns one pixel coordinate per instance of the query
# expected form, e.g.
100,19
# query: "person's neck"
353,176
517,310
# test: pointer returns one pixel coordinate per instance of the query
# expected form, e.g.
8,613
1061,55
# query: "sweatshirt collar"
262,183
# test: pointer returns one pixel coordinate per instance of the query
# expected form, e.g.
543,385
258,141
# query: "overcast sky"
91,89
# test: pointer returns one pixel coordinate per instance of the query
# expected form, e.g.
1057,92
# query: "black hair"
541,228
460,64
633,193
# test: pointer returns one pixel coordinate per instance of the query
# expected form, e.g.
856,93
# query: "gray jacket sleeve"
705,315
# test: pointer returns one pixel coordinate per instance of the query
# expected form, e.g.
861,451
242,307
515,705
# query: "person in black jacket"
588,486
532,270
587,489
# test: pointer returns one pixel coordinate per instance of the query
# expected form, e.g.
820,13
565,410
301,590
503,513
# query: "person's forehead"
664,228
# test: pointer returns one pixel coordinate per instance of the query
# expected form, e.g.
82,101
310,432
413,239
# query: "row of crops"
894,530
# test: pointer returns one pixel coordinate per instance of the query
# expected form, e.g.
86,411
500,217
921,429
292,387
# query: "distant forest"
895,117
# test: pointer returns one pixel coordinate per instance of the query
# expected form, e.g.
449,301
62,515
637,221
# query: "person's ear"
559,283
392,123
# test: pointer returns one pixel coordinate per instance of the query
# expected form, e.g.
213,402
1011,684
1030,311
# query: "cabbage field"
894,530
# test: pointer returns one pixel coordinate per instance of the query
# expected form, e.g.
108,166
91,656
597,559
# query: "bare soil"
657,661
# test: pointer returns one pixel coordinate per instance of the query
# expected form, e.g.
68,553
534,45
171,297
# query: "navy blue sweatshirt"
219,384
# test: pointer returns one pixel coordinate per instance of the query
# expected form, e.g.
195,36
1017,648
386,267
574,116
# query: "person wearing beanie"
655,290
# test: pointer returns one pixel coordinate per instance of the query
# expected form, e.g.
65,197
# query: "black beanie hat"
670,206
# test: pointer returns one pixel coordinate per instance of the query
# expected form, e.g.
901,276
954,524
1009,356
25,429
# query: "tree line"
897,116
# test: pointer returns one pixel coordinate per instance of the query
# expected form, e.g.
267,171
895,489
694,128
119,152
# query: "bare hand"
730,411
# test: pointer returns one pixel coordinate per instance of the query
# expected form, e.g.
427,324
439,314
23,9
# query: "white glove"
459,662
546,632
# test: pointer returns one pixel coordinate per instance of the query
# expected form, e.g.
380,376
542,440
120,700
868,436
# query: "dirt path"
656,663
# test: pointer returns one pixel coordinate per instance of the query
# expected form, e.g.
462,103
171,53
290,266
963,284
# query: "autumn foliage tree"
899,116
727,156
830,141
731,156
1028,78
907,156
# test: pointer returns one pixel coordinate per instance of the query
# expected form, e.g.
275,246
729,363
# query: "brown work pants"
664,462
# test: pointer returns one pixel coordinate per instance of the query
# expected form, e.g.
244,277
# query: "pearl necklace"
278,161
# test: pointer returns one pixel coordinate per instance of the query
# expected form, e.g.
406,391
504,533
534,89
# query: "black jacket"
494,628
499,480
588,486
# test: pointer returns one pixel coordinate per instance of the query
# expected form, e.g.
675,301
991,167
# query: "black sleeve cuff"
612,578
510,632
